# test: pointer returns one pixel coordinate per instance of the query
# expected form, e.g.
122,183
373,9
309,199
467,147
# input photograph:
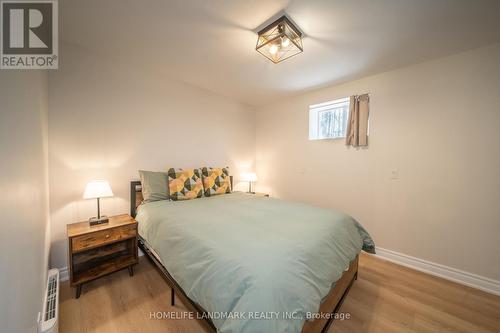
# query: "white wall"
24,186
438,123
108,119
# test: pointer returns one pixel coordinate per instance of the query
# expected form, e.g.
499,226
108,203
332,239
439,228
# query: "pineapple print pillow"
184,184
216,181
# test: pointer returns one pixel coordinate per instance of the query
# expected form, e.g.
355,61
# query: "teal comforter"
256,264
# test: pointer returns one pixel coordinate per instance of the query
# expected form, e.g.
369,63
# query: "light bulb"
285,42
273,49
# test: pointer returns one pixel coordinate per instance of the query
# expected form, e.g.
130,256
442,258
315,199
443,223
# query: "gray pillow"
154,185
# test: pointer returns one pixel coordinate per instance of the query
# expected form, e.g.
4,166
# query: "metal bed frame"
135,188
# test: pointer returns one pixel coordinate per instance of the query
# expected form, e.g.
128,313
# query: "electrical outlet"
394,174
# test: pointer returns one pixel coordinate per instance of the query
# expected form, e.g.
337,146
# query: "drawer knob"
107,236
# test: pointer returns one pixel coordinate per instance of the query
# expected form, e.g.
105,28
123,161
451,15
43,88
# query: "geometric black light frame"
279,40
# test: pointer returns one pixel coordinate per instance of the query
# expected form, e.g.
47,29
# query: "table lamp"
98,189
249,177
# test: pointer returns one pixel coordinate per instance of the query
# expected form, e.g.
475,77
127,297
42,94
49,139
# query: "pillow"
185,184
216,181
154,185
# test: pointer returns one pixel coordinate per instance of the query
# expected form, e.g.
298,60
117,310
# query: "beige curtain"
357,127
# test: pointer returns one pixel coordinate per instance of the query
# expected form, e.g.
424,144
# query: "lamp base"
96,221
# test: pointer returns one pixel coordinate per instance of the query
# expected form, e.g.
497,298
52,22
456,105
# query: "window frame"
314,118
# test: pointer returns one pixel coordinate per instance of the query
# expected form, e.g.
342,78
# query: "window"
328,120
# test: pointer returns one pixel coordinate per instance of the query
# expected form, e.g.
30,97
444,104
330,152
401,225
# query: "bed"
246,263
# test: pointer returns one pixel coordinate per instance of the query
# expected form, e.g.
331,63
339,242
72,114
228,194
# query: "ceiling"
211,43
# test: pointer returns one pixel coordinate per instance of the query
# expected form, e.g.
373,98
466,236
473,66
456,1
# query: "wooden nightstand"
102,249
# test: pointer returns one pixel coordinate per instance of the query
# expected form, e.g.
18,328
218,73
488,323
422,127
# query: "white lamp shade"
97,189
249,177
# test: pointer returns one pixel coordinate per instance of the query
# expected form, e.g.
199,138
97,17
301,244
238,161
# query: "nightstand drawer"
99,238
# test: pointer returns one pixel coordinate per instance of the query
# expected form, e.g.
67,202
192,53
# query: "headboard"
136,195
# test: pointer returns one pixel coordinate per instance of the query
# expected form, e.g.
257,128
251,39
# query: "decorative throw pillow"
154,185
184,184
216,181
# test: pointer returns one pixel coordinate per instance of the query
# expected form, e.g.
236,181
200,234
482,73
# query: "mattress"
256,264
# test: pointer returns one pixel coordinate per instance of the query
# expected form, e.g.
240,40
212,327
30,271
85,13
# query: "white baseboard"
468,279
64,273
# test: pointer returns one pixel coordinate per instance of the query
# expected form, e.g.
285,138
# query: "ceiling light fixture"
279,40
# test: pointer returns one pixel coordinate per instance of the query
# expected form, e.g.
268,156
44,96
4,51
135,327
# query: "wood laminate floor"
385,298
